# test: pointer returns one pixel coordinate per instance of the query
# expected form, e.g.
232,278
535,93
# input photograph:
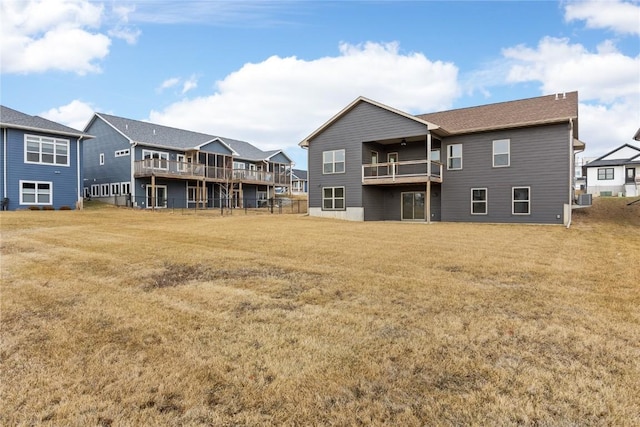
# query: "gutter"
79,202
571,171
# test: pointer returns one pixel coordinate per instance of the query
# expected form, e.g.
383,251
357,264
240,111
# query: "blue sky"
271,72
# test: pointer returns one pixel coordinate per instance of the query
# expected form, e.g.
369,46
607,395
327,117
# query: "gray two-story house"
147,165
506,162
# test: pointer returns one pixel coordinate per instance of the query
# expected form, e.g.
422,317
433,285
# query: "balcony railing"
173,169
247,175
406,172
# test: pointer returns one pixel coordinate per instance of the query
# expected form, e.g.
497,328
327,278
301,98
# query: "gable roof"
151,134
524,112
299,174
602,161
637,135
358,100
10,118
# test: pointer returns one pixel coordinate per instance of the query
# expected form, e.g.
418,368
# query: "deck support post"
428,195
153,192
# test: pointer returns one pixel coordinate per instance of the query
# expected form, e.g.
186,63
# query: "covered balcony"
401,172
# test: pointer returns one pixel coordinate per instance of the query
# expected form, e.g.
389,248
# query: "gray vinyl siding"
107,141
539,160
365,122
279,158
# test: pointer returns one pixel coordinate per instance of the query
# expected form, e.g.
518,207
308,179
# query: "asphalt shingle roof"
147,133
13,118
523,112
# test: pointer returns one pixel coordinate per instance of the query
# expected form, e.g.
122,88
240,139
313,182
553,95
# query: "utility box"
584,199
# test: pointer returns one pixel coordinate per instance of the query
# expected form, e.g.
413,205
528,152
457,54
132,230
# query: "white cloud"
190,83
121,29
39,35
277,102
607,81
76,114
621,17
171,82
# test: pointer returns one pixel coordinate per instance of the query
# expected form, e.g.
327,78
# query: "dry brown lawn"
114,317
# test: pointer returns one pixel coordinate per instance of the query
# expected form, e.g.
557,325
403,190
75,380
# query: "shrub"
65,208
34,208
48,208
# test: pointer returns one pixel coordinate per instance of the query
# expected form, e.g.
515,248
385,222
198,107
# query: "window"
478,201
333,198
501,153
43,150
104,190
155,159
95,190
454,156
101,158
115,189
239,165
435,155
122,153
605,174
86,193
333,161
521,200
125,187
36,193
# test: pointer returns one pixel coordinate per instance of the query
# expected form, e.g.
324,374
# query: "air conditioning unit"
584,199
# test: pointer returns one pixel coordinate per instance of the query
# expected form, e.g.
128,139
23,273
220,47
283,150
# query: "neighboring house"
152,166
40,162
299,182
617,173
507,162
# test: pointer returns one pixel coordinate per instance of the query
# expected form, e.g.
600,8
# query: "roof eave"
56,132
511,126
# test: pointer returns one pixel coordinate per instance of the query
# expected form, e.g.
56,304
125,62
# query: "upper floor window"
333,161
605,174
46,150
501,153
121,153
521,201
454,156
155,159
101,159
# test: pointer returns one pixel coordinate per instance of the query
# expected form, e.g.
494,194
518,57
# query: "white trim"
52,140
104,193
35,203
485,201
122,153
494,153
101,159
333,198
146,196
4,163
333,161
528,200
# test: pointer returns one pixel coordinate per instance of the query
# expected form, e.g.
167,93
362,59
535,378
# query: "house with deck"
509,162
299,182
616,173
40,162
147,165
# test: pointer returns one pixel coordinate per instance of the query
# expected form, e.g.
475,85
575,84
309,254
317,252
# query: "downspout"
571,171
133,180
4,163
79,203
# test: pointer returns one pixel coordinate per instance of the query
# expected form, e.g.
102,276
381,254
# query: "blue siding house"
510,162
40,162
147,165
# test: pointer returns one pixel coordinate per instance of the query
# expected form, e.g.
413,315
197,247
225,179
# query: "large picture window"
478,201
36,193
333,198
454,156
521,200
44,150
333,161
155,159
501,153
605,174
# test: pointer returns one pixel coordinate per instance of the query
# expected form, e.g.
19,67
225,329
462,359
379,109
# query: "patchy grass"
120,317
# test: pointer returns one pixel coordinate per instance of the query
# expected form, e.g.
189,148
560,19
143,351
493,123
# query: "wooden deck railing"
274,178
409,171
